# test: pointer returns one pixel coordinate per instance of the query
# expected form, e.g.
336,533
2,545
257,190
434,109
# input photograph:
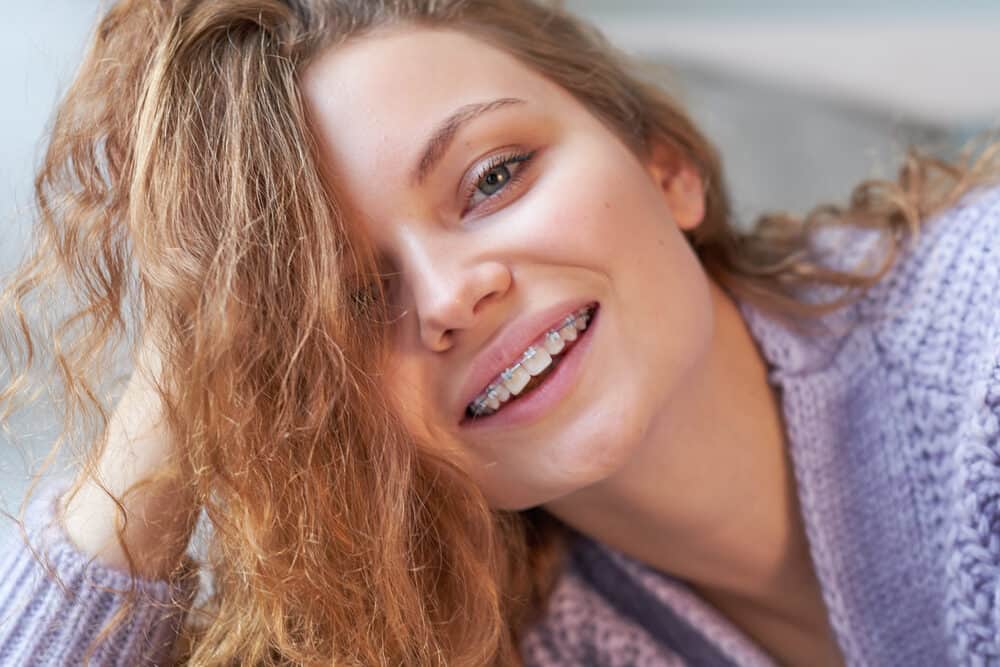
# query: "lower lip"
545,396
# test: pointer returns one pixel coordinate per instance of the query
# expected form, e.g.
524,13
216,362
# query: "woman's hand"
160,515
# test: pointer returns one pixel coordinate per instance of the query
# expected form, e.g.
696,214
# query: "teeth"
554,342
516,379
536,360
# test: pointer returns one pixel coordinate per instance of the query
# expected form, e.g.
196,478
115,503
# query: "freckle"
607,204
660,243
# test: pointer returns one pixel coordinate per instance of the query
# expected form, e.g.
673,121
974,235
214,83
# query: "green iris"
494,180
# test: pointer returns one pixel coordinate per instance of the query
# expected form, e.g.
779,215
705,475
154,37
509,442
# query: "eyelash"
505,159
367,294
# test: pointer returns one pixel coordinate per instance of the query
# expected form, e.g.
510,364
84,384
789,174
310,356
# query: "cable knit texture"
44,623
893,417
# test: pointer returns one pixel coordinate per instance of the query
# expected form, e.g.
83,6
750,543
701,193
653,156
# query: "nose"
450,285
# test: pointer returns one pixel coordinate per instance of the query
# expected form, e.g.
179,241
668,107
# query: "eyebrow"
441,138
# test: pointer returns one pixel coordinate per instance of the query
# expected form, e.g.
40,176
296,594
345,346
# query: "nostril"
446,340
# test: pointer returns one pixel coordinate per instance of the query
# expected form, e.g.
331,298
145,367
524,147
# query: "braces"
480,407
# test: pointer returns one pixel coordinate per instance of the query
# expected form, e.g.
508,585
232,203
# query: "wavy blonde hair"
180,192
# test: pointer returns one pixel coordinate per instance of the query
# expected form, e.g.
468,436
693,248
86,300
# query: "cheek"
402,382
407,384
601,203
595,206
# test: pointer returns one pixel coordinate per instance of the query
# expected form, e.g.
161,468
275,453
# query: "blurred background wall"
804,98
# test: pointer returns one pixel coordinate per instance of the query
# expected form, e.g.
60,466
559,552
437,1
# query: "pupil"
495,180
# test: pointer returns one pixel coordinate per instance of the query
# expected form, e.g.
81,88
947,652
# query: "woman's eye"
494,180
376,290
365,297
496,175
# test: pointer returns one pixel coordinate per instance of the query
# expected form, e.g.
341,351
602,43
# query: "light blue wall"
797,8
41,43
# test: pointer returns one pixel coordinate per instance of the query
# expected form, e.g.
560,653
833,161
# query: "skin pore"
670,446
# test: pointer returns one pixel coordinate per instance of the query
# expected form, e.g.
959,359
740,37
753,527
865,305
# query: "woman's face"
500,206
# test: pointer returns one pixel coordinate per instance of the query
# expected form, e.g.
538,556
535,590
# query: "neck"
709,495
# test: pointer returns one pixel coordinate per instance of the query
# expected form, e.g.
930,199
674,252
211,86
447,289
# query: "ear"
681,184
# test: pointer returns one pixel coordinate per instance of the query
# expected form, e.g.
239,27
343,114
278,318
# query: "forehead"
375,100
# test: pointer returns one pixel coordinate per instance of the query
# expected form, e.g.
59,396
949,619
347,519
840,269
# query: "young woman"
446,331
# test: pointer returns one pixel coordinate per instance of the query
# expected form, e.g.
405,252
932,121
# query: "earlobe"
682,189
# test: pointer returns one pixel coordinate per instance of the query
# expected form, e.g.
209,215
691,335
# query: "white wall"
41,42
770,9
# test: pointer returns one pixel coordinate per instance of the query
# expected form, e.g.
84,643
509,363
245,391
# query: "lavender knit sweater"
894,432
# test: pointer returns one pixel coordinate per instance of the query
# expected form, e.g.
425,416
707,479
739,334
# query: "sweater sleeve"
46,620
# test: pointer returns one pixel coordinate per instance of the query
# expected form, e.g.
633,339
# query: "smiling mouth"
535,365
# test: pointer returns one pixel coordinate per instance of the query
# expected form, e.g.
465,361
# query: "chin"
599,446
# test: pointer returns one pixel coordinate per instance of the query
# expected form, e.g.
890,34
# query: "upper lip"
510,342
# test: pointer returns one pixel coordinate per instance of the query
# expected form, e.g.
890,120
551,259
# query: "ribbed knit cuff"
46,620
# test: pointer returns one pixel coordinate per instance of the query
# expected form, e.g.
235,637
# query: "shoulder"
938,302
609,609
955,344
45,579
935,322
580,627
942,298
894,422
894,433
